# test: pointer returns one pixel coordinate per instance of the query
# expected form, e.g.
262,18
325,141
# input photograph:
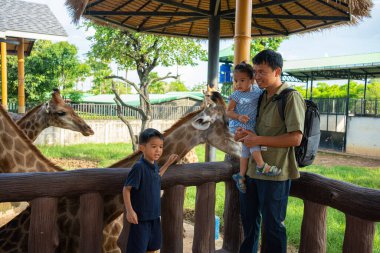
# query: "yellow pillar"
4,76
242,38
21,77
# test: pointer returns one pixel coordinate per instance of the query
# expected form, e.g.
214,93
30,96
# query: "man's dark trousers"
267,200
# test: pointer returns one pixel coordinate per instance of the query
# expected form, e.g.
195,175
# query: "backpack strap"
281,101
259,103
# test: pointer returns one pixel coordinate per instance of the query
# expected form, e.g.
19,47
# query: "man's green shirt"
269,123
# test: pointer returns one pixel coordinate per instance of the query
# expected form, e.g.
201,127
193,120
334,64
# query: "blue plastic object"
225,73
217,224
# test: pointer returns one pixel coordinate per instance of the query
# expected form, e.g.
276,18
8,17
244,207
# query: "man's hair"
269,57
148,134
244,67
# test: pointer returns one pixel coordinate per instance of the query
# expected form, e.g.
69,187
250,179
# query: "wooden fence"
360,205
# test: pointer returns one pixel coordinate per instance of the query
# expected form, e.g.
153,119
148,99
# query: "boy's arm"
170,161
131,214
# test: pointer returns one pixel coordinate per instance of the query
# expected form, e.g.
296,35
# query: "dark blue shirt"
145,181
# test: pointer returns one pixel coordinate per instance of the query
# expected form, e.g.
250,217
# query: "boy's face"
153,149
243,81
265,76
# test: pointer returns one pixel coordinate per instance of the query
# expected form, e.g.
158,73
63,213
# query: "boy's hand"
243,118
172,158
132,217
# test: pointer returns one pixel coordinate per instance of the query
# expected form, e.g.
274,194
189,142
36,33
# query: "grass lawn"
370,178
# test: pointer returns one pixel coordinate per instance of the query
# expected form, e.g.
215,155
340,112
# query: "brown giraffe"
53,113
207,125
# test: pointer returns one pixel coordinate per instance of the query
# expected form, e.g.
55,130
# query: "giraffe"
53,113
207,125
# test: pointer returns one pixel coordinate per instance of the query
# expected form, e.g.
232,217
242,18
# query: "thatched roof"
190,17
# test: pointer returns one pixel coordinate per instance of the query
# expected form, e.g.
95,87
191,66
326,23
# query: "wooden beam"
21,77
184,6
302,17
144,14
257,6
144,29
4,76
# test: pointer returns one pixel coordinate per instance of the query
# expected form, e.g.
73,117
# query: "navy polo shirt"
145,181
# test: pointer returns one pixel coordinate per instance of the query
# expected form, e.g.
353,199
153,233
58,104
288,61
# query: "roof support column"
243,19
21,77
364,111
213,47
347,108
213,61
4,76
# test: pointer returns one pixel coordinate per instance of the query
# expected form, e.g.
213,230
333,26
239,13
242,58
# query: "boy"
141,194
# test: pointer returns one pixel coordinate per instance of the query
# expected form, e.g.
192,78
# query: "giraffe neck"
34,122
17,153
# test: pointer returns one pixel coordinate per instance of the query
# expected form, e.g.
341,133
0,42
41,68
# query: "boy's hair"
269,57
244,67
148,134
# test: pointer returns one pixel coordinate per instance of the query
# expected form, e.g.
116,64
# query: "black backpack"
307,150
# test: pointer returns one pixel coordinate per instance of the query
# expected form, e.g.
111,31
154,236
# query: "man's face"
265,76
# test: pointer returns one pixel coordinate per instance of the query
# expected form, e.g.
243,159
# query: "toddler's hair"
269,57
244,67
148,134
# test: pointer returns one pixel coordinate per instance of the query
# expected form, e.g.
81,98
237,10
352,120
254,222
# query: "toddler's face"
243,81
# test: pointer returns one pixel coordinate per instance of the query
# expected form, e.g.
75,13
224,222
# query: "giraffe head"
60,114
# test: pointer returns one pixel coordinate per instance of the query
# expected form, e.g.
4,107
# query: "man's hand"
241,133
250,139
132,217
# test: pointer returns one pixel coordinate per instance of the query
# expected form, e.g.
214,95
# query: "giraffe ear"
202,122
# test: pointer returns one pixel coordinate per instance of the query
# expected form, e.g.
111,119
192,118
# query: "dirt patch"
342,159
74,163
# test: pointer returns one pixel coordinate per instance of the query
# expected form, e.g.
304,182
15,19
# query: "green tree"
260,44
50,65
177,85
142,52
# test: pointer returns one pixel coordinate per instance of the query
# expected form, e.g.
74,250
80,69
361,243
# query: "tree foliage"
260,44
143,52
324,90
50,65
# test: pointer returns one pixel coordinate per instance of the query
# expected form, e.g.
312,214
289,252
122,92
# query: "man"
267,196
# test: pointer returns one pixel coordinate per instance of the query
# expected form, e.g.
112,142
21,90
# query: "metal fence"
103,111
358,107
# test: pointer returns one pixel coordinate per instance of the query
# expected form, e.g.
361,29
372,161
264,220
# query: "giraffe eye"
61,114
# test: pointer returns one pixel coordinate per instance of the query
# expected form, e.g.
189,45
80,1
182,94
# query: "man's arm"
291,139
131,214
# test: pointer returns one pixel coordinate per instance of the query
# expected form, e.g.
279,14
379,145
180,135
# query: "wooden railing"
360,205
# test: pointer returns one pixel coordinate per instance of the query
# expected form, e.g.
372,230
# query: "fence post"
91,223
358,236
204,228
43,234
172,219
313,229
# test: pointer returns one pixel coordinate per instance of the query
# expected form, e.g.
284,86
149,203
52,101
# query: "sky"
344,40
